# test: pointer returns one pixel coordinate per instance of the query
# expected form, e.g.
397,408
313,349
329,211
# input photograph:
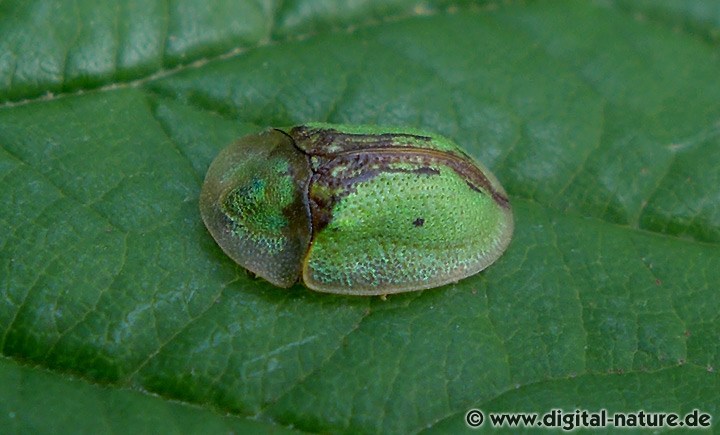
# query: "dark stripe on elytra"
380,145
348,184
368,166
344,186
322,138
475,178
498,197
360,162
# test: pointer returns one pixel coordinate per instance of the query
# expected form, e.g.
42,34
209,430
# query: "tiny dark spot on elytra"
419,222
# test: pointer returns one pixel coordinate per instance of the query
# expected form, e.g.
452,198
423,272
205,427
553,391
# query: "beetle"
359,210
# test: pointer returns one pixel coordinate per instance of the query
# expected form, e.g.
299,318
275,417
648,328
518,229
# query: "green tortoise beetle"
358,210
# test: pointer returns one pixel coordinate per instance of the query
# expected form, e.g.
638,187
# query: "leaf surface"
118,310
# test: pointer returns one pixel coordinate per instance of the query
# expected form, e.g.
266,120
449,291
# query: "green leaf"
37,401
119,313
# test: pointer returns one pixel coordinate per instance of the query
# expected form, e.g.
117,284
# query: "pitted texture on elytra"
339,178
359,145
355,210
374,241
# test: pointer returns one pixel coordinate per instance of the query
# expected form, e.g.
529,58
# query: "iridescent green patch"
355,209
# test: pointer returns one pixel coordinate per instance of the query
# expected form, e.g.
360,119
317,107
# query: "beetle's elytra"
355,209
